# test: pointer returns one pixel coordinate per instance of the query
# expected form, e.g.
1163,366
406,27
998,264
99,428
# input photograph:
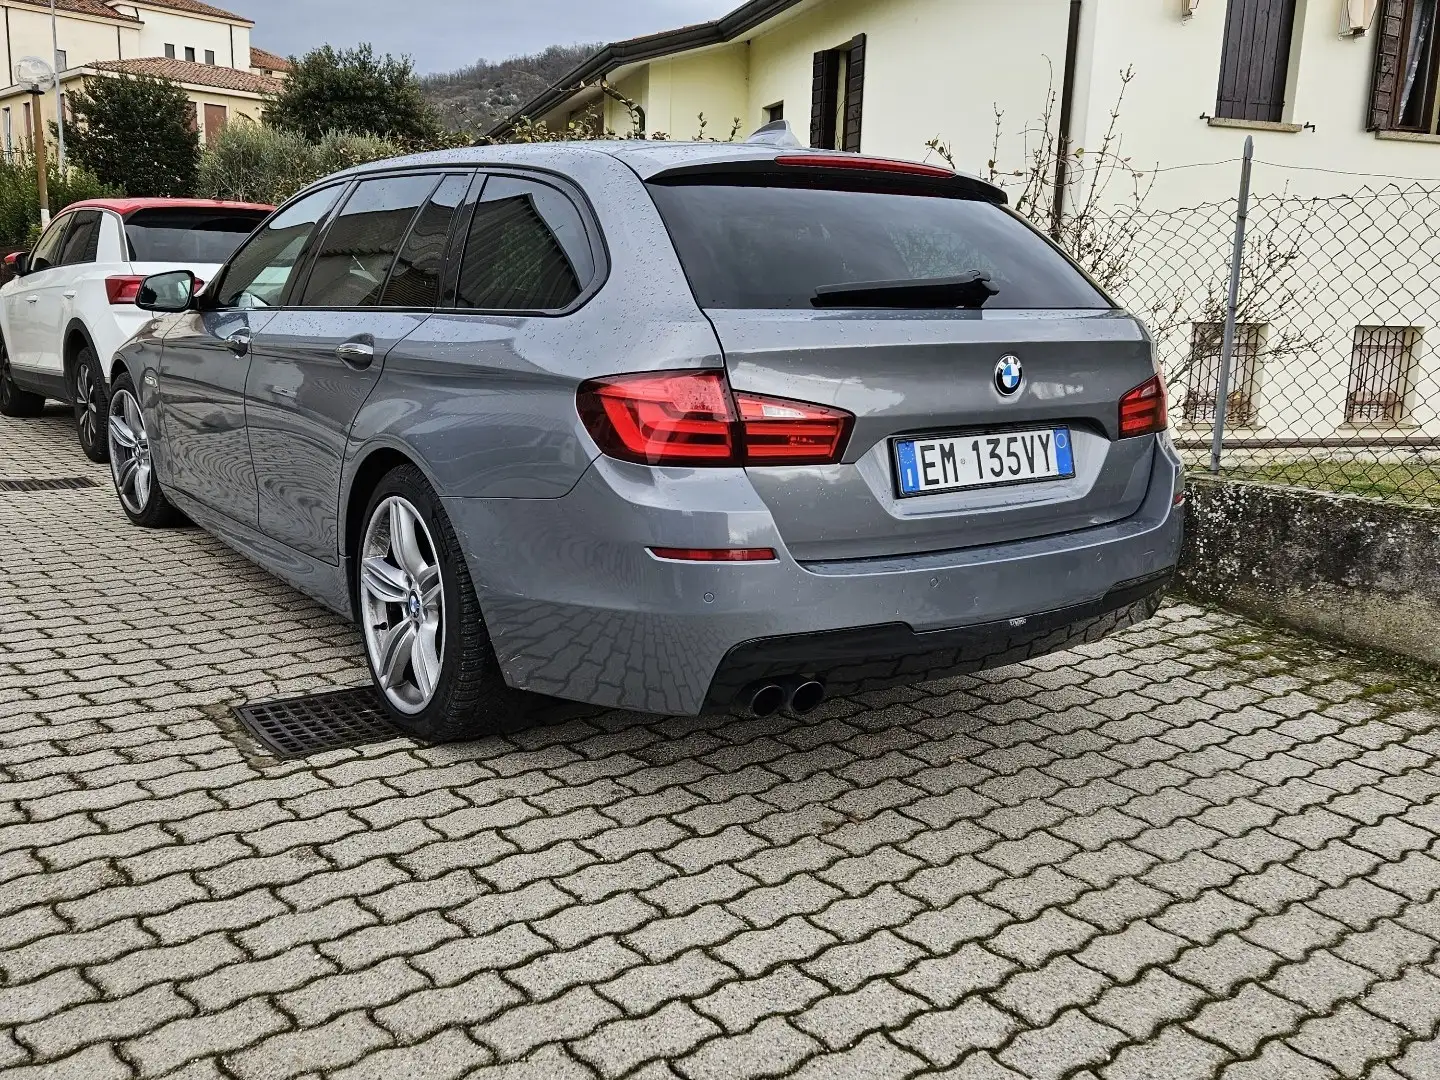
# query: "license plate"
955,462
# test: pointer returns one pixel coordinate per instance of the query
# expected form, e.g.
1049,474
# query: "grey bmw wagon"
667,427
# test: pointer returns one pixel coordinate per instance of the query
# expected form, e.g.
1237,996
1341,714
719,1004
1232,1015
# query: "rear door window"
82,243
528,249
354,259
746,246
188,236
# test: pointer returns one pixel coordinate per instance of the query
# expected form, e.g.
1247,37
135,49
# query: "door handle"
32,299
238,342
358,354
70,295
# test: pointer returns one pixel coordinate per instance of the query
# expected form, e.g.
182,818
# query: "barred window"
1202,382
1380,369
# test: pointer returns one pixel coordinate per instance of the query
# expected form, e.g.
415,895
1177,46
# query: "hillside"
474,98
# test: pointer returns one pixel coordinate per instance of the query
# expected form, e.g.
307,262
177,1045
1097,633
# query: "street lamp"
33,73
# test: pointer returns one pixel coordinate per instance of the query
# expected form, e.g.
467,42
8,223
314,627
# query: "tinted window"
356,255
47,251
188,237
415,281
262,268
527,250
772,247
83,241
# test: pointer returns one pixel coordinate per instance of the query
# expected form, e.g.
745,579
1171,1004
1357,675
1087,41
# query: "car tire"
92,406
435,671
136,485
14,402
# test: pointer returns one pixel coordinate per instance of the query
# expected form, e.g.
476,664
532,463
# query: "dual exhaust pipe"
799,696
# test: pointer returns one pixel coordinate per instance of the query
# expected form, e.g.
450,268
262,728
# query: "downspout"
1067,113
9,60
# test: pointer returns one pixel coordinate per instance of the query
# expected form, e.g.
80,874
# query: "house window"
1380,368
61,62
1202,382
27,134
9,134
1407,67
1255,63
192,116
189,54
170,51
774,112
210,57
837,96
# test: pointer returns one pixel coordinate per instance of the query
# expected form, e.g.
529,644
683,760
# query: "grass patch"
1399,481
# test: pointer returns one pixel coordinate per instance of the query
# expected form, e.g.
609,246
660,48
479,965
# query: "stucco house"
203,48
1342,98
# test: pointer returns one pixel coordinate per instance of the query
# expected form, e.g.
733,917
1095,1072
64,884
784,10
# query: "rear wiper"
970,290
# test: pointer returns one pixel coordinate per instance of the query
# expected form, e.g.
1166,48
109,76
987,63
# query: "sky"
442,35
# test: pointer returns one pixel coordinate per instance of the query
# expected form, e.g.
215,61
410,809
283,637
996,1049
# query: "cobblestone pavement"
1196,850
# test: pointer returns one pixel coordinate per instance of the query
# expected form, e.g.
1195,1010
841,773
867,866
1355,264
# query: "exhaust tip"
806,697
767,701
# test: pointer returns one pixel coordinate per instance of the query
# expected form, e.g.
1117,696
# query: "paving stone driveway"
1195,850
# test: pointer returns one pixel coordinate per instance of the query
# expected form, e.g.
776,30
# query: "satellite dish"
32,69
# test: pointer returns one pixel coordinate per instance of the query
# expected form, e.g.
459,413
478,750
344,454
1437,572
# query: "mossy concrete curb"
1354,569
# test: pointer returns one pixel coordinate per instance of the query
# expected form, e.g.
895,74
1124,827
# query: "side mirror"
169,292
18,263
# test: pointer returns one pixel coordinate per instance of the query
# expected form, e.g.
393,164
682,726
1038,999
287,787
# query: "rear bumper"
577,607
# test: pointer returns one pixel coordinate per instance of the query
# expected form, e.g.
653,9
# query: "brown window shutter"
1389,42
1256,60
823,99
854,94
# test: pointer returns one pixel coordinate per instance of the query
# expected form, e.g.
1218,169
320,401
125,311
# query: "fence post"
1227,349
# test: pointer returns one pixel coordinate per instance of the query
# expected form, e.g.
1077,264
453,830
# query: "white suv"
71,304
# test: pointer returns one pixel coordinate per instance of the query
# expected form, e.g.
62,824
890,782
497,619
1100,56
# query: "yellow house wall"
163,27
714,82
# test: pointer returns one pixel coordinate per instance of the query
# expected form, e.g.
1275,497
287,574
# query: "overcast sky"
441,35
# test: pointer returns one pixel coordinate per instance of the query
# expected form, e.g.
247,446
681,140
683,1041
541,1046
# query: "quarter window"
261,270
355,257
527,250
415,281
83,241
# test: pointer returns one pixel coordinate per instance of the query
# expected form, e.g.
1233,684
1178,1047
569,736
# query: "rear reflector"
123,290
864,164
715,554
691,418
1142,410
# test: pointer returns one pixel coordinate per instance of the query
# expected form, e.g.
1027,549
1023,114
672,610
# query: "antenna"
776,133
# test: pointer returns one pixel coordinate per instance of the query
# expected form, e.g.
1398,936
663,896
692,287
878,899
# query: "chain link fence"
1332,381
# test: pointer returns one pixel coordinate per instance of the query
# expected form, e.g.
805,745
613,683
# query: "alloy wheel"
87,398
130,452
402,603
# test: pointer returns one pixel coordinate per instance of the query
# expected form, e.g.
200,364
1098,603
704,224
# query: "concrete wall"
1359,570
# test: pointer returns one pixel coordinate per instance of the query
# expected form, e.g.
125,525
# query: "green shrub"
257,163
20,198
135,133
354,90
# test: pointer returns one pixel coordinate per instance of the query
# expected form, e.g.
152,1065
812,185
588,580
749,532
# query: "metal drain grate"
60,483
298,727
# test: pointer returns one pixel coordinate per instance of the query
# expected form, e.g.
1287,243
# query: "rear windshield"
188,236
772,247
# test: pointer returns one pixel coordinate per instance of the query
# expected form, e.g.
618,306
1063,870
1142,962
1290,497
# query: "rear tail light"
721,555
123,290
864,164
1142,410
693,418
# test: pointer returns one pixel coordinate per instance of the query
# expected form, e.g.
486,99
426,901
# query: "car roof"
126,207
648,158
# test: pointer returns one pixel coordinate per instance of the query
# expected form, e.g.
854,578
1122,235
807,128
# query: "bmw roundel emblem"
1008,375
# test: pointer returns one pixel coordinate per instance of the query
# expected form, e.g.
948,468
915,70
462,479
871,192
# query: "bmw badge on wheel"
1008,375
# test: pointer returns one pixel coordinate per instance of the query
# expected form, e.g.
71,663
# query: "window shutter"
823,103
854,95
1256,60
1386,84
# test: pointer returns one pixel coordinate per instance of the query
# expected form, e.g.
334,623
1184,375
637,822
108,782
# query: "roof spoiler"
776,133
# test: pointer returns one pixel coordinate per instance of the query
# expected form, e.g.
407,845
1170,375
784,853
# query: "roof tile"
185,71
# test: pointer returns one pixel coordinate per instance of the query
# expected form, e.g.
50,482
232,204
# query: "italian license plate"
955,462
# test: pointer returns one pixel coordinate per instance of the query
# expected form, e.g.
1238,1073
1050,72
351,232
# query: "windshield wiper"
970,290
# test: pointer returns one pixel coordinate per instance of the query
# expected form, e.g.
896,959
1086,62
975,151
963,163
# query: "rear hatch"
972,345
199,239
